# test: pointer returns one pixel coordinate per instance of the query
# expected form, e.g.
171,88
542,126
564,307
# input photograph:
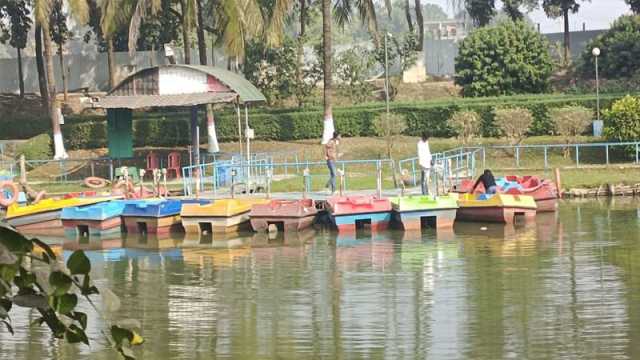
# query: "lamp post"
596,54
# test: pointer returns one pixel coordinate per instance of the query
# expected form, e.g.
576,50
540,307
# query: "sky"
597,14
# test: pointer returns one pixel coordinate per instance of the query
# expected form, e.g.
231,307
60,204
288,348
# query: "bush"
510,58
619,51
622,121
172,128
466,124
571,121
514,123
38,147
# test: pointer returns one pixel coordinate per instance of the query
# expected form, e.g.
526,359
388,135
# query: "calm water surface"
566,287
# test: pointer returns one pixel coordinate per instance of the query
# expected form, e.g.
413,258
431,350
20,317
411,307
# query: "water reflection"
566,286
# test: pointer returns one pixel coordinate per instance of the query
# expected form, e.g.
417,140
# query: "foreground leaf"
60,282
31,301
79,263
66,303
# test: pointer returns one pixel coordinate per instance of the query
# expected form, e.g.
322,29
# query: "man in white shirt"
424,160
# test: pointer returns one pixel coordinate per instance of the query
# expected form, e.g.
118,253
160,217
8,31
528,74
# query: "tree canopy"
510,58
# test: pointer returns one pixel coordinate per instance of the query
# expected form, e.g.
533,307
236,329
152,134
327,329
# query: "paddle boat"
44,217
221,216
287,215
157,216
100,220
543,191
503,208
349,213
414,212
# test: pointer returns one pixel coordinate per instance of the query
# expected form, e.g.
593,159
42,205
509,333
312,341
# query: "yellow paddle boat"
502,208
226,215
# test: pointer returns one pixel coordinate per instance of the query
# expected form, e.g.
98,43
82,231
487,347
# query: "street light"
596,53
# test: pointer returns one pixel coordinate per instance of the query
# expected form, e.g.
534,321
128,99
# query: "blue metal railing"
210,173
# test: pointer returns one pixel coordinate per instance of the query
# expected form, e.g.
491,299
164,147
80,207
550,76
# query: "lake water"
566,287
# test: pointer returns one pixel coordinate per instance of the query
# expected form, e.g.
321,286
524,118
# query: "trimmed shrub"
38,147
466,124
514,123
622,121
168,128
571,121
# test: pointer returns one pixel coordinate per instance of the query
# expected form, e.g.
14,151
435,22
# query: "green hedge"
171,128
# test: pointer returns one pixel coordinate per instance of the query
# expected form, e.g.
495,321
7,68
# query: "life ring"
13,188
95,182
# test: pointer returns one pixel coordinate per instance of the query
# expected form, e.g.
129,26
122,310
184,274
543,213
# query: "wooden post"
558,182
23,170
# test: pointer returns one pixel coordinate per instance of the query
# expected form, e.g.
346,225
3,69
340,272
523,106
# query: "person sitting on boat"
488,181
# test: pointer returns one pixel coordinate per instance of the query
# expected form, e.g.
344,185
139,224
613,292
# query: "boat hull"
351,222
289,224
215,224
293,215
414,220
497,214
152,225
93,229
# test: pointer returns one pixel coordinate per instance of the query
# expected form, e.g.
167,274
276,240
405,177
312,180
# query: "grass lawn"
363,176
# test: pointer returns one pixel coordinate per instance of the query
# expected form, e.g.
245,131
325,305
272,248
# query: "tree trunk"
54,113
407,13
20,75
567,36
42,73
300,55
328,130
64,73
202,45
111,61
186,41
420,22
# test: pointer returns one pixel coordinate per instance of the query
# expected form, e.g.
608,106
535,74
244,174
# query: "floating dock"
287,215
349,213
416,212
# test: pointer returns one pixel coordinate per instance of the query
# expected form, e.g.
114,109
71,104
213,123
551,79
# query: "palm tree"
79,9
328,127
562,8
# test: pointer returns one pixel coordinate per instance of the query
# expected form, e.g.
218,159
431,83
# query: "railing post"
637,153
413,172
518,156
607,153
484,158
546,157
345,177
577,156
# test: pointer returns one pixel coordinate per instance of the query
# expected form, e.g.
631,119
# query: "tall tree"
187,8
328,127
513,8
420,23
481,11
635,5
60,34
19,24
43,10
42,72
304,18
562,8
